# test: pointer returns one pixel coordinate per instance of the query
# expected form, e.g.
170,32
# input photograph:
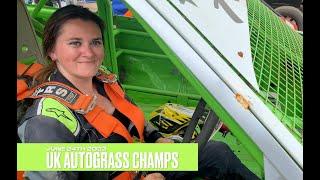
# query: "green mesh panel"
277,57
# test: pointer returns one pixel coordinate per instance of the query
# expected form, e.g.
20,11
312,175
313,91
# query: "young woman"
74,46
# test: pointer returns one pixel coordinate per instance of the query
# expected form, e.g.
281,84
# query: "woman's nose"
87,51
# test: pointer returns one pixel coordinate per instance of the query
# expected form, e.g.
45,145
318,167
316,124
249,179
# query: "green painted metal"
211,101
141,41
39,6
29,60
152,72
39,19
104,7
140,53
38,26
43,13
122,22
139,33
161,92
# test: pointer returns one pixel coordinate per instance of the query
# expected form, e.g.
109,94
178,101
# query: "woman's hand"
154,176
164,140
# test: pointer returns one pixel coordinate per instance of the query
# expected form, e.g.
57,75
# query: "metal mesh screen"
277,57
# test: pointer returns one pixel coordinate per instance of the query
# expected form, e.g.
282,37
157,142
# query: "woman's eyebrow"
74,39
80,39
99,38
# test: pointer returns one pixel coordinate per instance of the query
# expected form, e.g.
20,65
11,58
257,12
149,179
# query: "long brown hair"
52,31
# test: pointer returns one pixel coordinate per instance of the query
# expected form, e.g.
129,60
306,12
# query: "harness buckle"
90,106
107,78
112,78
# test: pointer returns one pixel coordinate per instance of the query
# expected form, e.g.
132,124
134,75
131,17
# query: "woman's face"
78,51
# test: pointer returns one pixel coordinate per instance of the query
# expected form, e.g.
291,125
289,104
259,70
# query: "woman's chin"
87,75
87,72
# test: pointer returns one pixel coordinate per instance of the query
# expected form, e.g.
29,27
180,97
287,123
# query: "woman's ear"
53,56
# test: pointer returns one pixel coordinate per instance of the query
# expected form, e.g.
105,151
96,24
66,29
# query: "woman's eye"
97,43
75,43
